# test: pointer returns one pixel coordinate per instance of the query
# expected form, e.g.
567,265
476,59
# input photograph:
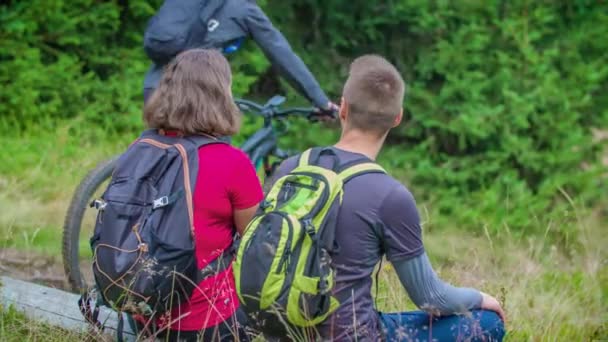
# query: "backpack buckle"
309,228
265,204
323,286
99,204
160,202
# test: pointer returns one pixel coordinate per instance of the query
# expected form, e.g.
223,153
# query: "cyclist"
223,24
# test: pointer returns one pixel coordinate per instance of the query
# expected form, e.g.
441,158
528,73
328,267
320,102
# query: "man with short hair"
379,217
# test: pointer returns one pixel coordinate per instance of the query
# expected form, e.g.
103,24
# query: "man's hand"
490,303
329,113
332,106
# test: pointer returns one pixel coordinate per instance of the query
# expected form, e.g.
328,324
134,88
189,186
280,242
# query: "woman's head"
194,96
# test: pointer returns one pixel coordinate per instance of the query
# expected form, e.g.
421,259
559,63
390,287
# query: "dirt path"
32,266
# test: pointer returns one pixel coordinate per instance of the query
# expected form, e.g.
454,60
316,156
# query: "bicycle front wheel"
77,266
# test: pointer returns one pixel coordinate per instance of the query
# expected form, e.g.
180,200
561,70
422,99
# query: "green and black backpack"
282,270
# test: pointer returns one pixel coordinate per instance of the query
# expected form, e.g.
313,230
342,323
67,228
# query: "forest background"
503,143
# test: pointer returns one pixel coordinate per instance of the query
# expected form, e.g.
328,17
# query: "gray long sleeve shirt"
244,18
378,217
429,292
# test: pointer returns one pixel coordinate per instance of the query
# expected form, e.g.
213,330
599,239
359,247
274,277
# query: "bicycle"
261,147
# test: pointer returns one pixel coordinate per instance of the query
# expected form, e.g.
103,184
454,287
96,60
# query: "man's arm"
402,239
279,52
432,294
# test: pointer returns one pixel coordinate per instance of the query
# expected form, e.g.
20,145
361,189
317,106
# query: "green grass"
552,290
549,294
14,327
38,174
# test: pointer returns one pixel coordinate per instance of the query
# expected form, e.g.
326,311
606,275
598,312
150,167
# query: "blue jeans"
479,325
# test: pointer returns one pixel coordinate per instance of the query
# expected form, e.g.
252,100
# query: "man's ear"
343,110
398,119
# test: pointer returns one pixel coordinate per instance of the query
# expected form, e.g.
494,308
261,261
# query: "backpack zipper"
141,204
324,195
287,249
284,258
301,185
186,170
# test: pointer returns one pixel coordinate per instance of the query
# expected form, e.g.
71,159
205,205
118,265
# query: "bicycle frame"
261,144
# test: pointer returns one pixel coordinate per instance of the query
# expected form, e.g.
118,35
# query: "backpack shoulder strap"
360,168
313,155
304,158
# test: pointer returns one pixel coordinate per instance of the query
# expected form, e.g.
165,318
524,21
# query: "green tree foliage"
64,59
502,93
501,102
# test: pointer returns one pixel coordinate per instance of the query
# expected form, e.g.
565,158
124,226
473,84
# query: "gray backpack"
143,247
177,26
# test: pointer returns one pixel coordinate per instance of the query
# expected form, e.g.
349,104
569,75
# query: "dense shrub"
502,94
63,59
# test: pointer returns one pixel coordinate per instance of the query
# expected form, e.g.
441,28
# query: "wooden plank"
55,307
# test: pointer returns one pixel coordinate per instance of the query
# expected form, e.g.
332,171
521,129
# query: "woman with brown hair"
194,98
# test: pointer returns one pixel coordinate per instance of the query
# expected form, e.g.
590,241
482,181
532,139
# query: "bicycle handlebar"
271,110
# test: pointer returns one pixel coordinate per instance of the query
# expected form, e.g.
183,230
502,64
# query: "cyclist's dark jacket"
244,18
